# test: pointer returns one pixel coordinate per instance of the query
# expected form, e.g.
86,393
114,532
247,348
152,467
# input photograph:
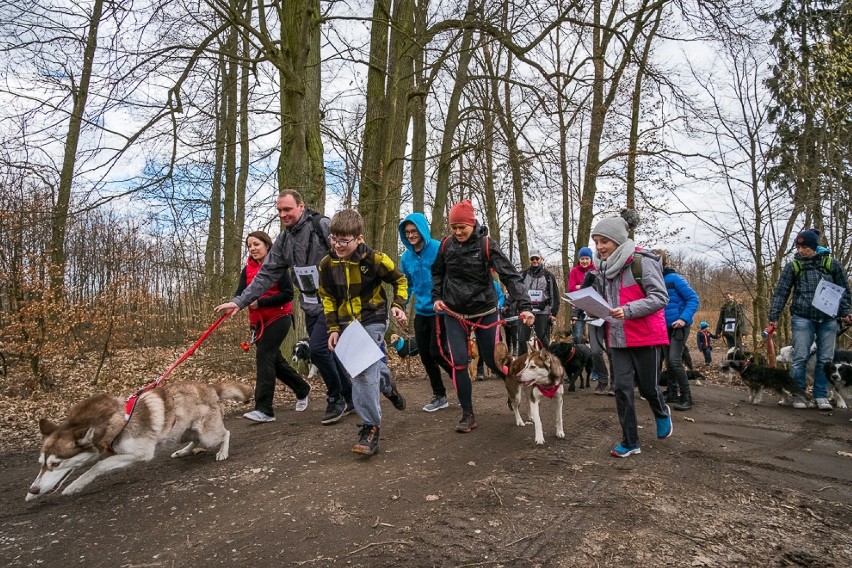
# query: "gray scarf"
613,265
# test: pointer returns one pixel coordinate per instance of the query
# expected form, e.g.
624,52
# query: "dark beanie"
462,213
585,251
808,238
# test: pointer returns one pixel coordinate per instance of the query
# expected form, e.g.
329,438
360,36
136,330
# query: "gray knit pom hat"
616,228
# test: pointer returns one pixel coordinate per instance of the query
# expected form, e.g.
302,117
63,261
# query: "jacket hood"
422,225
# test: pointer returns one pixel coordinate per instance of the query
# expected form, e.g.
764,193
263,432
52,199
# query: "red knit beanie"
462,213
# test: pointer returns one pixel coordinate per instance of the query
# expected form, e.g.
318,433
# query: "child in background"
351,279
703,338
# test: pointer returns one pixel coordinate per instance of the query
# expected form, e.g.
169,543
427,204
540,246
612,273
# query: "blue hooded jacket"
683,301
417,266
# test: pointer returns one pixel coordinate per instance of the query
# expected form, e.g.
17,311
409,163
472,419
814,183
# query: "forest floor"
736,485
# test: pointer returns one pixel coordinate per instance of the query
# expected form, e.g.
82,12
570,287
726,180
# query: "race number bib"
536,296
730,325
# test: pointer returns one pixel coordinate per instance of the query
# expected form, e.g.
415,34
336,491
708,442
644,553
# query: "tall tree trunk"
213,248
376,121
419,95
232,240
59,220
451,124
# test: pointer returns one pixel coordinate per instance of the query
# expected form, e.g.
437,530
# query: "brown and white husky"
95,432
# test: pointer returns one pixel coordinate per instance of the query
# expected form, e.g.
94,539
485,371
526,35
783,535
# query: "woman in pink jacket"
631,280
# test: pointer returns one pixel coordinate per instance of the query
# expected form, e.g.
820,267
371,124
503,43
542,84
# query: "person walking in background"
575,282
416,264
270,317
811,269
462,287
732,323
351,288
544,298
680,309
631,280
705,345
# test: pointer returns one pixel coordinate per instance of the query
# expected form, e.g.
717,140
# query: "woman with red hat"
462,288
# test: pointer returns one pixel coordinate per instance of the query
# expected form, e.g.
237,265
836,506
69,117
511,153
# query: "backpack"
824,266
314,217
636,267
485,246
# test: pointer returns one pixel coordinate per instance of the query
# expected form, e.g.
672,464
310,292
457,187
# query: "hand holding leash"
527,317
230,307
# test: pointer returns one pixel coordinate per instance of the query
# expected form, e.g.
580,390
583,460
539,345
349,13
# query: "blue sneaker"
622,452
664,426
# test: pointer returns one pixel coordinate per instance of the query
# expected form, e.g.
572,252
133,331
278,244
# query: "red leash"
131,400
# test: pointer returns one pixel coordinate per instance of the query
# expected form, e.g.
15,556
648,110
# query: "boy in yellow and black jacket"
351,287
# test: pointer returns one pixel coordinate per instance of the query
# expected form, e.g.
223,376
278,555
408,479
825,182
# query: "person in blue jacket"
683,303
416,264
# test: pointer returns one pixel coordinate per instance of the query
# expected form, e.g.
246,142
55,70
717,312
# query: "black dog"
840,377
690,374
737,354
575,359
758,377
302,352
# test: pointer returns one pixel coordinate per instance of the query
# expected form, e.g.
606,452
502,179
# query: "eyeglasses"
342,242
414,233
534,258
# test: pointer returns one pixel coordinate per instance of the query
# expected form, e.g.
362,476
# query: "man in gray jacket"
300,248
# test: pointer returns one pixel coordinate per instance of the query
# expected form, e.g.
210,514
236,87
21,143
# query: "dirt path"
741,485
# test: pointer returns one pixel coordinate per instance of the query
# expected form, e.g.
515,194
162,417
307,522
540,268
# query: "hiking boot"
302,403
368,440
685,402
258,416
334,412
467,423
396,399
664,426
671,392
823,404
799,402
623,451
436,404
601,388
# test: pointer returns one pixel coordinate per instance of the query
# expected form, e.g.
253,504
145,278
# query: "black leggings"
457,336
430,355
271,364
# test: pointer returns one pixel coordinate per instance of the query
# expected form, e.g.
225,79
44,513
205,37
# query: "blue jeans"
366,385
578,331
805,331
333,375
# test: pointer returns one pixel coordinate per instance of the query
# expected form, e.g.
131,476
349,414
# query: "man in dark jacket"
731,324
544,298
300,248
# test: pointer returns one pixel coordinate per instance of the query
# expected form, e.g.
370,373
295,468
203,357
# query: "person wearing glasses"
544,298
352,279
300,248
811,270
416,264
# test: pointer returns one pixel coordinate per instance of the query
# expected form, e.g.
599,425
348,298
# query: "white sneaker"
823,404
258,416
302,403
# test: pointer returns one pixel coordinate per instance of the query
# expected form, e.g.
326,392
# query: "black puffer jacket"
461,275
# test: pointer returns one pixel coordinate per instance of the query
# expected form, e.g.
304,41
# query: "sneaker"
601,388
664,425
350,409
799,402
368,440
437,403
594,375
823,404
333,412
480,377
622,452
397,399
258,416
467,423
302,403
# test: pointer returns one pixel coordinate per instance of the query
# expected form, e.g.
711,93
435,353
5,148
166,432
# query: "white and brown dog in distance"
96,434
536,375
